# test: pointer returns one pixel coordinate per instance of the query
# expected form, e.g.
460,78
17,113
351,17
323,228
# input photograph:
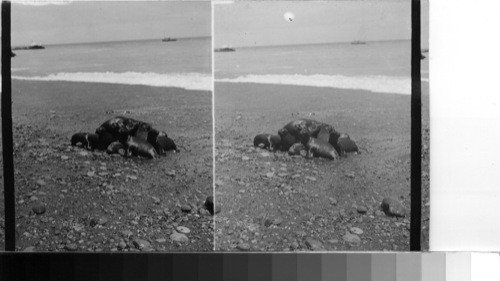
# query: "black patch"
139,147
86,140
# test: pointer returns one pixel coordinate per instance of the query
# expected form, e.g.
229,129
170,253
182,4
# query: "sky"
77,22
258,23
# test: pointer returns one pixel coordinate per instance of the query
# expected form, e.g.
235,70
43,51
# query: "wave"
189,81
381,84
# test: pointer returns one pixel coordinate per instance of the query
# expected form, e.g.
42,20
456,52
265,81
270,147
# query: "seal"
346,145
139,147
87,140
267,141
297,149
165,143
116,148
121,127
320,148
287,139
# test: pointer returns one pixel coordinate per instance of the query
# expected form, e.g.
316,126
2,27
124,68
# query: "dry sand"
274,202
97,202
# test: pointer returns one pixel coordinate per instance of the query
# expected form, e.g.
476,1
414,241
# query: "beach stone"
127,233
270,175
183,229
64,157
393,207
362,209
179,237
310,178
186,208
313,244
122,245
243,247
356,230
245,158
41,183
161,240
351,238
170,173
102,221
156,200
265,154
71,247
29,249
141,243
39,209
333,201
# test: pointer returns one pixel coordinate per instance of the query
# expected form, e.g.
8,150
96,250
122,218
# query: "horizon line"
113,41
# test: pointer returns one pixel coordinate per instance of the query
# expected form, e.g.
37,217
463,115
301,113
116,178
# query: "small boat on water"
358,43
33,46
168,39
225,49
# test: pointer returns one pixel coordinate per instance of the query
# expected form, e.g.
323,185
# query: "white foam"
189,81
381,84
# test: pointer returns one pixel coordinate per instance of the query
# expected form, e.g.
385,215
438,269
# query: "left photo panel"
112,126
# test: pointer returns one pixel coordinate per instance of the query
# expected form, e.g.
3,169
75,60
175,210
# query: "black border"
416,131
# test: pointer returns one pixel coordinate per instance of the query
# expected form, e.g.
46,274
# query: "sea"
383,66
185,63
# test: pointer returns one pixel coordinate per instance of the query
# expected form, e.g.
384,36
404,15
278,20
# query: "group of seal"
134,137
309,138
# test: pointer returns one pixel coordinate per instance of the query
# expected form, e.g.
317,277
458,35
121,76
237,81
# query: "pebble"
270,175
29,249
156,200
39,209
161,240
362,209
265,154
350,175
41,183
245,158
333,201
127,233
71,247
183,229
313,244
84,153
351,238
333,241
310,178
179,237
122,245
64,157
141,244
170,173
102,221
186,208
356,230
243,247
393,207
90,174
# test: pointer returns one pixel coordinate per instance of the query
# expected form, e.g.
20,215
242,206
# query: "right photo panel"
312,126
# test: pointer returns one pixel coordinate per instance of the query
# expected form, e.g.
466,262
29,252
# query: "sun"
289,16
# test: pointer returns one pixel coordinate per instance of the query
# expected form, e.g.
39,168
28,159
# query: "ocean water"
185,63
375,66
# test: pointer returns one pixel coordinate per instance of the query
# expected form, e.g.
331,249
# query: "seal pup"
346,144
287,139
297,149
139,147
320,148
87,140
268,141
116,148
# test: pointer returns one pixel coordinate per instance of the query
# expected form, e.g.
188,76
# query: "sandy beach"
275,202
97,202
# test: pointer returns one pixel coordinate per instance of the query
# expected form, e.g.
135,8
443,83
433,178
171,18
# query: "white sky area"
84,21
262,23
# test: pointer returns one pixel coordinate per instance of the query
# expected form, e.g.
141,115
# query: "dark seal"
287,139
320,148
346,145
163,143
139,147
86,140
267,141
120,128
302,129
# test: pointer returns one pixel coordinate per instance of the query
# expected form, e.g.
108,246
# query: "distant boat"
358,43
225,49
33,46
168,39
